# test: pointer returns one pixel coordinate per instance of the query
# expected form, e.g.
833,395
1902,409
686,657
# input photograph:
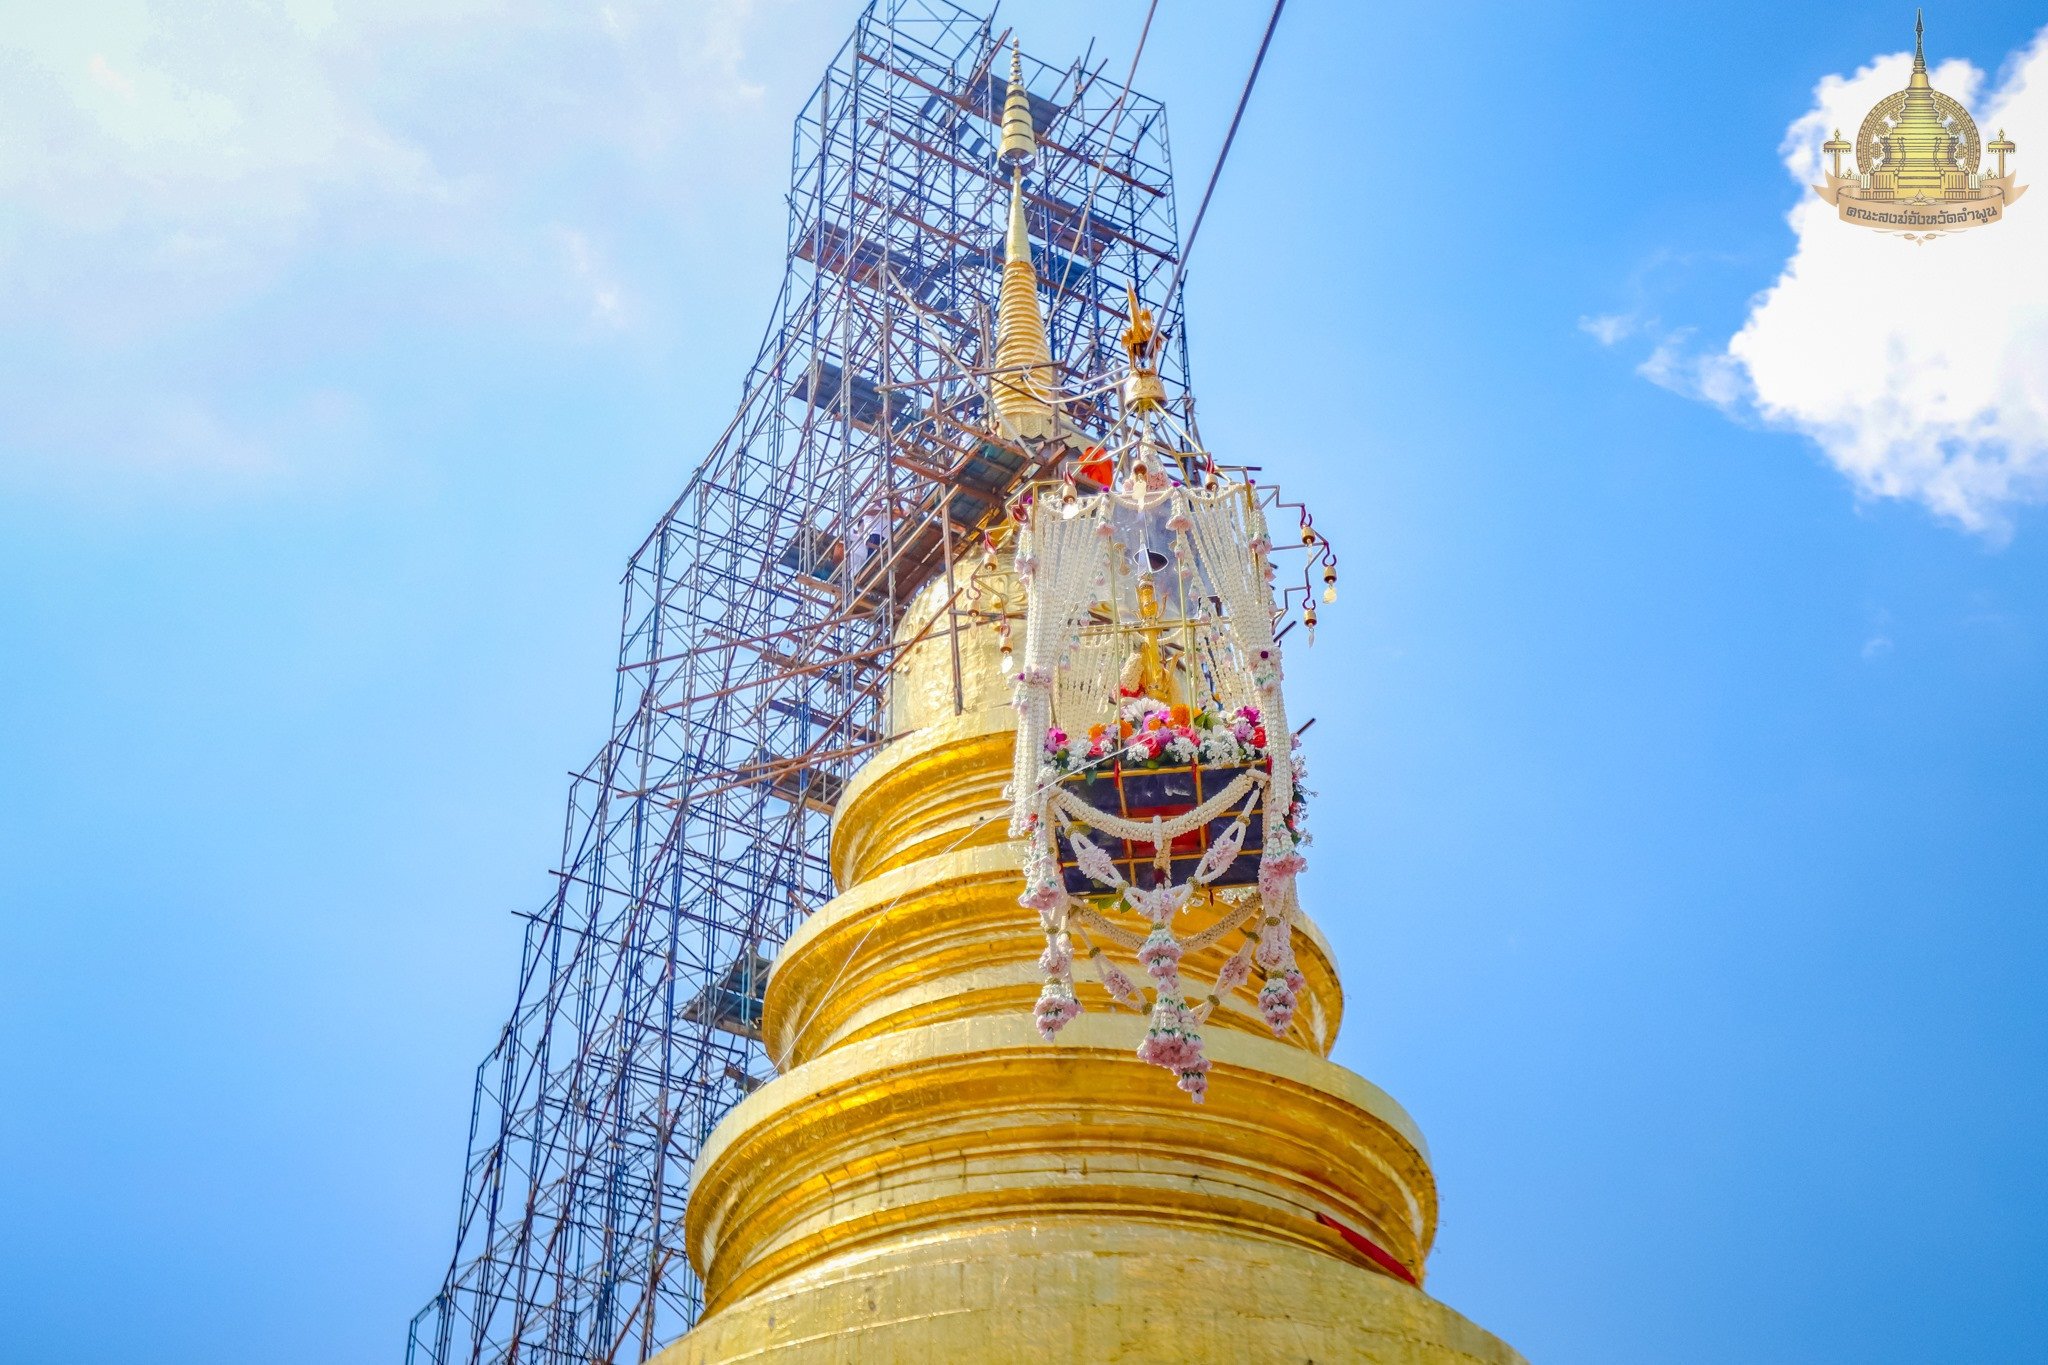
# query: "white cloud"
110,78
1921,371
594,277
1711,377
1608,328
165,161
717,46
169,168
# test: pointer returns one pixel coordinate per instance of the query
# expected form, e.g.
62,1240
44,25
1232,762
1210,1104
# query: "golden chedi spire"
1024,385
930,1179
1920,149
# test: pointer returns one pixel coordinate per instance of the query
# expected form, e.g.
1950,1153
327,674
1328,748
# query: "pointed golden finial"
1020,139
1919,81
1023,382
1142,389
1137,337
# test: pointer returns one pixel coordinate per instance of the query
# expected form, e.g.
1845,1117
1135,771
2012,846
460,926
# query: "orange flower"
1123,729
1180,715
1097,731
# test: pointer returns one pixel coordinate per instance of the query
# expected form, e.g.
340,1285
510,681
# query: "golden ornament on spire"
1142,387
1917,160
1024,385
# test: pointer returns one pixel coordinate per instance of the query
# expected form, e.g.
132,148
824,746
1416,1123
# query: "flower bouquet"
1163,761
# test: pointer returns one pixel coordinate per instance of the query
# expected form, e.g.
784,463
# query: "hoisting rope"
1166,300
1109,145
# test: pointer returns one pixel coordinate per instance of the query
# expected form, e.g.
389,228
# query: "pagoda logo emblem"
1919,164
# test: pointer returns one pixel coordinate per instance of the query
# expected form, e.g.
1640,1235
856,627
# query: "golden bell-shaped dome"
930,1179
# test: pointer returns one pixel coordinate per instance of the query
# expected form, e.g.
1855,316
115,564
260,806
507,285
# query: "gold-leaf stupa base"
1114,1292
929,1180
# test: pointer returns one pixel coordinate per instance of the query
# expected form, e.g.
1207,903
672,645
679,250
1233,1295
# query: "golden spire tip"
1025,378
1020,139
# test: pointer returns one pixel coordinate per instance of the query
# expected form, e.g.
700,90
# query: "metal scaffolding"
755,650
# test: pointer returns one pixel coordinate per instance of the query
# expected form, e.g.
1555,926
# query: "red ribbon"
1378,1255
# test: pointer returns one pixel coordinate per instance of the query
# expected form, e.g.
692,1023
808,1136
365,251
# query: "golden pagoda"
1918,159
1023,387
929,1179
973,1151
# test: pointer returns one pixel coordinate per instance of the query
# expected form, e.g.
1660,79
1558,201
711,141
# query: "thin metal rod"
1122,99
1188,248
952,605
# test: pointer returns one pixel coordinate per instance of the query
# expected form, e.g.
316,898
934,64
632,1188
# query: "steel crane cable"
1166,302
1108,145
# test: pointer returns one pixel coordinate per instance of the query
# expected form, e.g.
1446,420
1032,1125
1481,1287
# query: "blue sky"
1680,727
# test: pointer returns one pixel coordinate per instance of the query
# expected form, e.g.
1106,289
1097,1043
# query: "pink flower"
1047,895
1160,953
1056,1006
1276,1003
1120,986
1275,869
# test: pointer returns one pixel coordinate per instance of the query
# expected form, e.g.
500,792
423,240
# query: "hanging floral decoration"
1154,763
